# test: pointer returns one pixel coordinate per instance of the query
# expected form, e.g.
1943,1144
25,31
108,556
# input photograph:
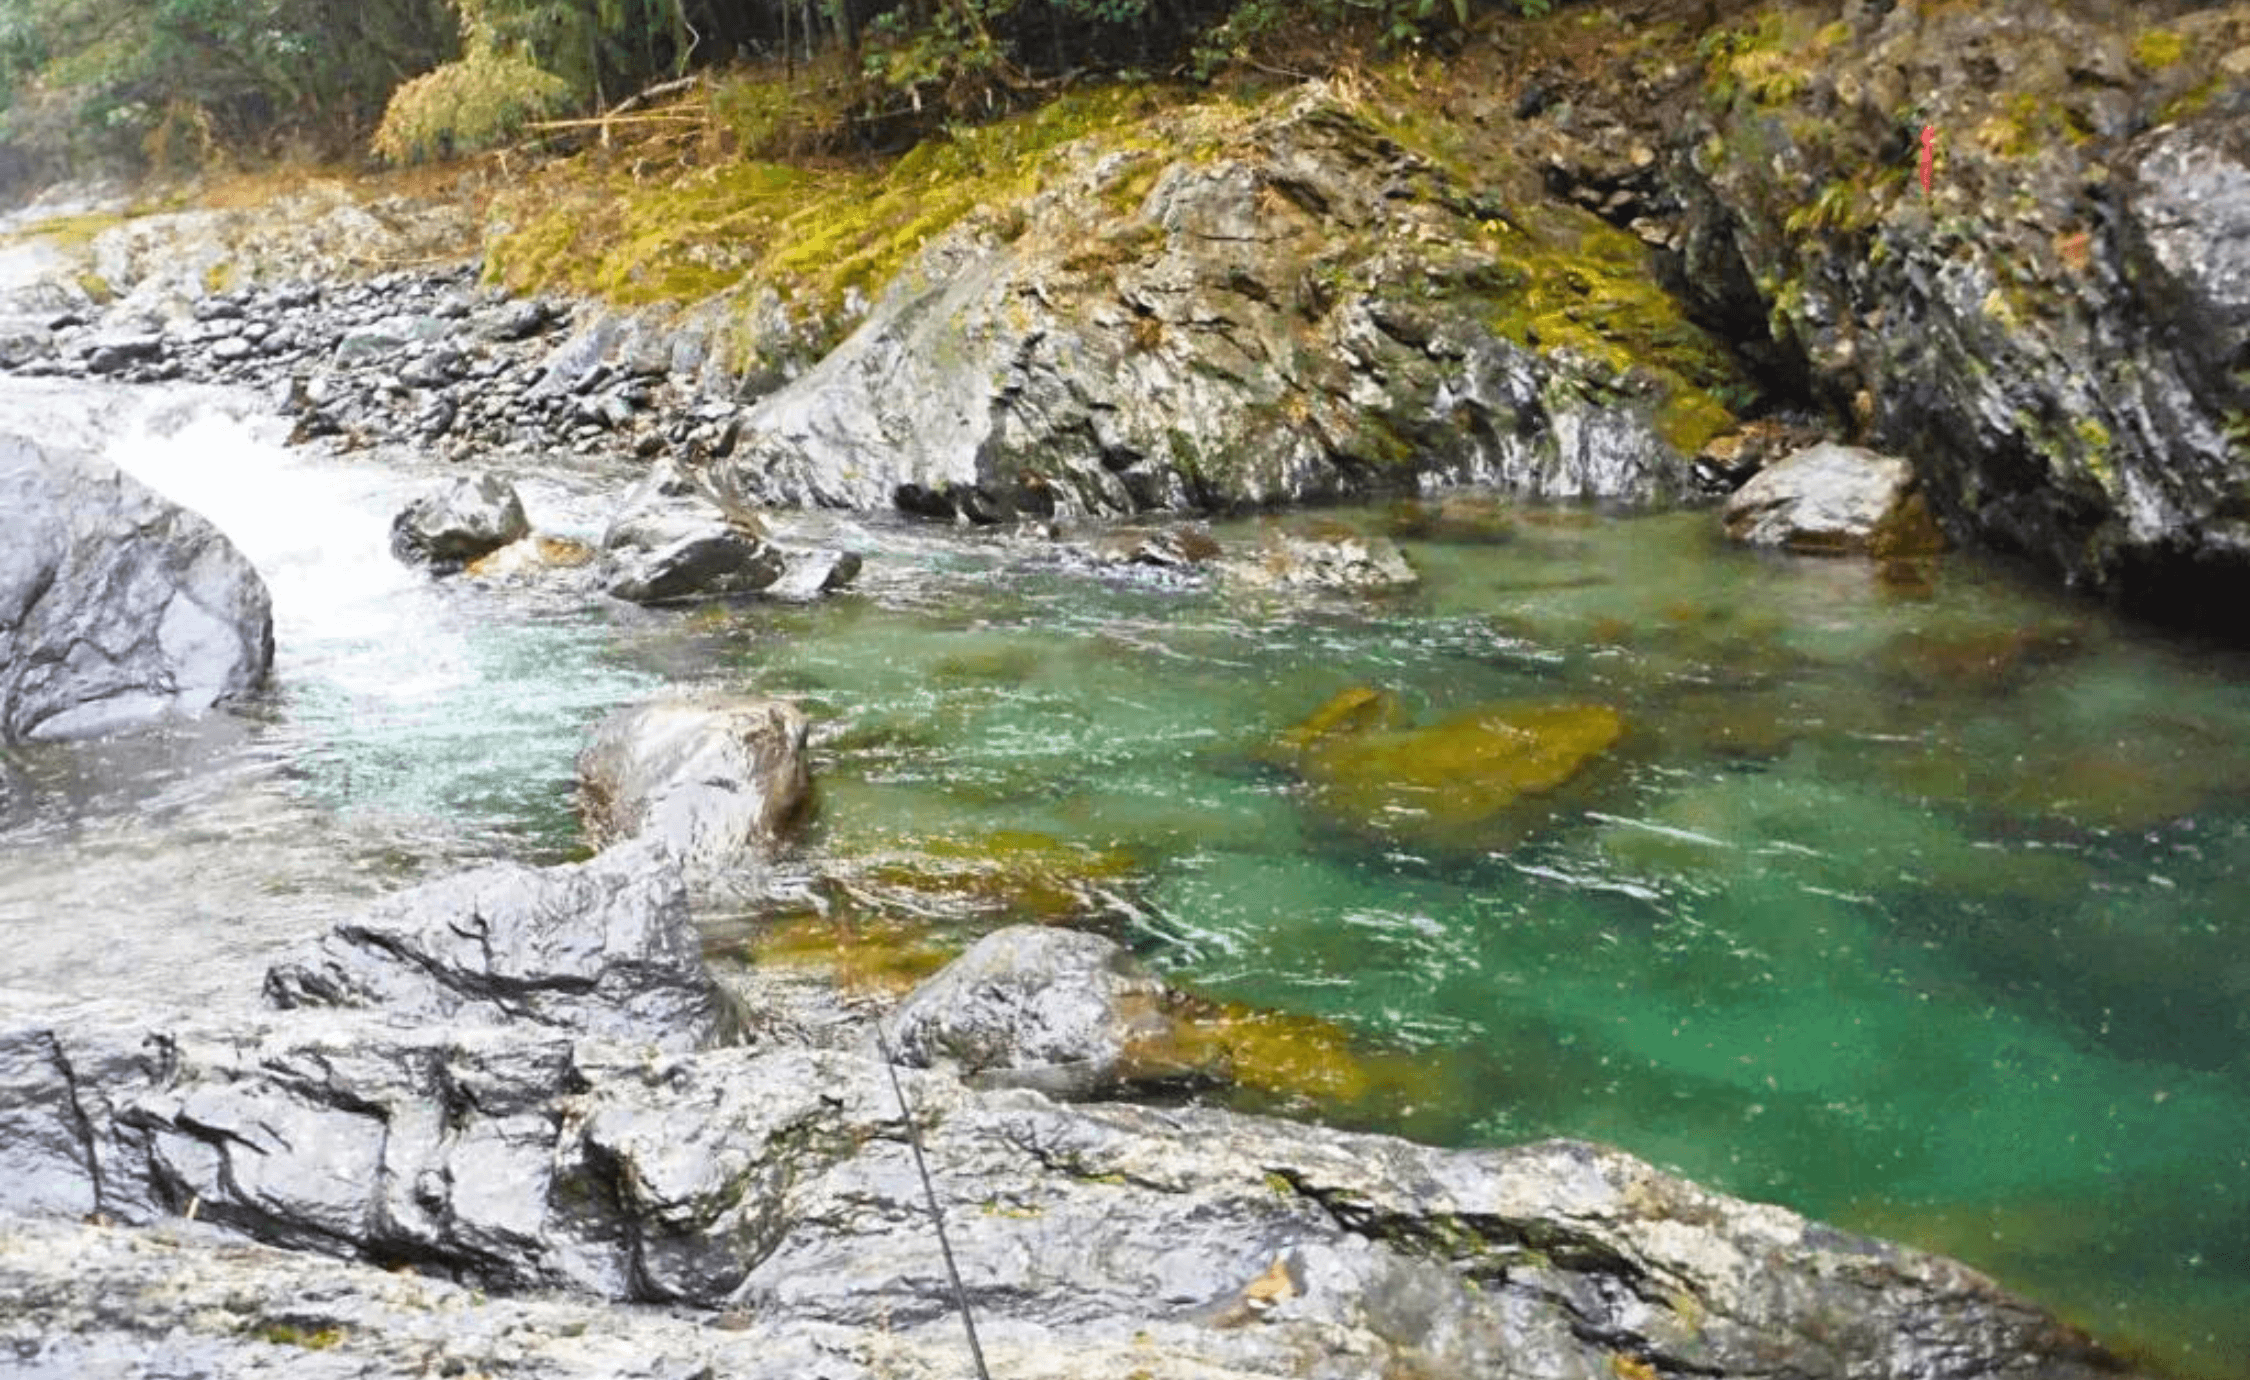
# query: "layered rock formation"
1300,308
770,1192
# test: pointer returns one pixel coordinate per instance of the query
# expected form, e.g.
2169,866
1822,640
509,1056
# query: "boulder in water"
1032,1006
719,782
672,541
469,518
1325,556
1833,499
116,607
807,575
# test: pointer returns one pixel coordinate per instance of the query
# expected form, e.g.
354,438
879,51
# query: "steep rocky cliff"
2048,311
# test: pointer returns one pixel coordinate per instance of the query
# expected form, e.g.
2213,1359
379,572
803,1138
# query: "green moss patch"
816,234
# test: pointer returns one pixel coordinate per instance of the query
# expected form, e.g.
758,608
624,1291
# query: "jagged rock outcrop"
2053,330
778,1183
117,607
604,947
1307,311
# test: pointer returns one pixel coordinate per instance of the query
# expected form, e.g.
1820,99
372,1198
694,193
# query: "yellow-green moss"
1007,875
309,1339
1274,1052
2157,49
67,232
1570,282
883,954
817,235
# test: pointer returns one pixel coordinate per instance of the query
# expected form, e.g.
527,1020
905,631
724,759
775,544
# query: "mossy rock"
1011,876
1283,1054
1449,784
882,954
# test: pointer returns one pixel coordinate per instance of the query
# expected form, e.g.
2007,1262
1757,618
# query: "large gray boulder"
719,782
605,947
117,608
1313,312
671,542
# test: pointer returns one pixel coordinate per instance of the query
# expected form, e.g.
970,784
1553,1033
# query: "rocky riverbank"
533,1087
526,1084
1572,263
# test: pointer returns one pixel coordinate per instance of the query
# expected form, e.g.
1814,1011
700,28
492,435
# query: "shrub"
477,103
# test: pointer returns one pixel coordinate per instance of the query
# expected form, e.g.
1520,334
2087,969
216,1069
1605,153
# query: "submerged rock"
1834,500
1450,783
117,608
468,519
719,782
604,947
1324,557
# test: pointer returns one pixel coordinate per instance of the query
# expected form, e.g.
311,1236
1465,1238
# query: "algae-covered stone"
1009,874
1347,711
1449,782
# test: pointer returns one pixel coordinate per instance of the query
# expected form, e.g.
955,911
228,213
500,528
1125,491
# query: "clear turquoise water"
1915,907
1918,910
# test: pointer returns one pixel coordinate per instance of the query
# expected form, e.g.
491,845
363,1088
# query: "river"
1912,902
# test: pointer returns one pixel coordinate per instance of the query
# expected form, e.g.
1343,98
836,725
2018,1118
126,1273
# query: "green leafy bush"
483,100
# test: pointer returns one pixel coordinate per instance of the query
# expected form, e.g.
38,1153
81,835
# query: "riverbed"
1909,897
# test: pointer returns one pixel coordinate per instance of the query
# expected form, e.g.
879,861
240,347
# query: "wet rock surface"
717,782
471,517
1305,316
117,607
1323,557
775,1188
1028,1006
672,541
606,947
